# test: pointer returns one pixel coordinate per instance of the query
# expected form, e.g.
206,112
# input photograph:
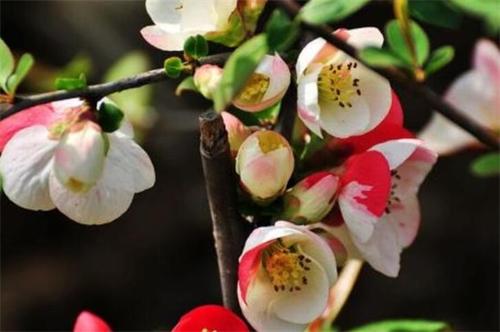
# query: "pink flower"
285,274
210,318
477,94
338,94
88,322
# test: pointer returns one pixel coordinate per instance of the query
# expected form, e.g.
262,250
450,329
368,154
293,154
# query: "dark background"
144,270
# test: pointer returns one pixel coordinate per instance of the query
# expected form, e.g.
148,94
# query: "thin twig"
419,91
100,90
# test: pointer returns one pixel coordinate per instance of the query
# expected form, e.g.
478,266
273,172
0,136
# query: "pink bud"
206,78
88,322
237,132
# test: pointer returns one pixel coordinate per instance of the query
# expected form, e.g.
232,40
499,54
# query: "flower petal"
25,165
88,322
365,193
166,41
224,9
210,318
176,16
279,75
487,60
397,152
307,100
307,55
364,37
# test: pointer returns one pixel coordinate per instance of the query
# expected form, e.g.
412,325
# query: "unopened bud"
206,78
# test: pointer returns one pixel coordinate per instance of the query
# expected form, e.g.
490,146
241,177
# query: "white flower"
338,94
477,94
177,20
88,175
285,274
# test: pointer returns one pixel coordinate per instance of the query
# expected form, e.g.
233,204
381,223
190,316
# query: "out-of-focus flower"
266,86
338,94
177,20
206,78
210,318
237,132
311,199
88,322
285,274
265,163
477,94
73,166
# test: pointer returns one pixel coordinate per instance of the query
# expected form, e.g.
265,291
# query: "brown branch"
418,90
101,90
229,229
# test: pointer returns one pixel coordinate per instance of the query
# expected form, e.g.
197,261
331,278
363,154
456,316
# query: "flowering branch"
418,90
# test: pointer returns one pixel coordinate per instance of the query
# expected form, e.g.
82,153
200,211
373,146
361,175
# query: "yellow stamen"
337,84
255,89
270,141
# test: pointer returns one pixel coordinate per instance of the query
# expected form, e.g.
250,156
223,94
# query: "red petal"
248,266
212,318
88,322
371,169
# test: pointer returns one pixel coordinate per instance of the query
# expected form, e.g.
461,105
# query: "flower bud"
80,155
206,78
237,132
266,86
311,199
265,164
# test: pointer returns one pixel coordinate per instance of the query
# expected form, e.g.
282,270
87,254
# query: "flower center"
269,141
337,84
286,267
254,89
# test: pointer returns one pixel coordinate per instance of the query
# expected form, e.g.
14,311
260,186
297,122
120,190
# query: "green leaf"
435,12
109,116
281,31
486,165
403,325
328,11
79,64
24,65
70,83
399,46
173,67
379,57
439,58
187,84
6,64
487,10
240,65
196,47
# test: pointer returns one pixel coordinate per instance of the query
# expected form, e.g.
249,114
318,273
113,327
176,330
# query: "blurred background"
143,271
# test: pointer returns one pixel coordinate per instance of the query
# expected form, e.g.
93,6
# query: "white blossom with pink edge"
176,20
285,274
335,92
206,78
266,86
477,94
90,176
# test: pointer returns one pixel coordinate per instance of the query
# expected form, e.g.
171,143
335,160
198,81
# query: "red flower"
210,318
88,322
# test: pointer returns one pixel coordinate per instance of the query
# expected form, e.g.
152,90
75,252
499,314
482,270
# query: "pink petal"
88,322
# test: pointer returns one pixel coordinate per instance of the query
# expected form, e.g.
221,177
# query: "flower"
378,200
311,199
210,318
477,95
265,164
338,94
284,276
176,20
266,86
88,322
206,78
89,175
237,132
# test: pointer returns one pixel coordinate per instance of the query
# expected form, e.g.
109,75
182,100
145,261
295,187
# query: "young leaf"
173,67
379,57
403,325
23,67
6,64
196,47
487,10
328,11
435,12
397,42
186,85
439,58
70,83
109,116
238,69
281,31
486,165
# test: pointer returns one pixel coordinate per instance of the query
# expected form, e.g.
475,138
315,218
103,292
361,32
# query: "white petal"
25,165
279,75
167,41
307,55
367,36
487,60
128,167
224,9
101,204
307,100
397,151
405,218
345,121
265,234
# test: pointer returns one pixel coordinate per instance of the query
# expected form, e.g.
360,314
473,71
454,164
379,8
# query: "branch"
229,229
418,90
100,90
